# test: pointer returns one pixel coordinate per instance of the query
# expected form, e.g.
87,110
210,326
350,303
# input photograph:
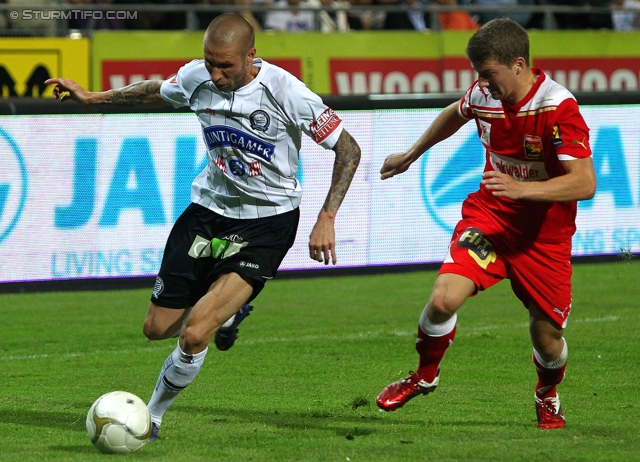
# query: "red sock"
548,379
432,350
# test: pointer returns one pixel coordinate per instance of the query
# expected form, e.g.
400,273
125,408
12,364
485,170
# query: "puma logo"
581,143
560,312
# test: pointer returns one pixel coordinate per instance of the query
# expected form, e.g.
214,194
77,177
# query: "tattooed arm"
144,93
322,240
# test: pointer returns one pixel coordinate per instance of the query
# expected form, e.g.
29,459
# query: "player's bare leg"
225,296
162,323
436,331
224,299
550,359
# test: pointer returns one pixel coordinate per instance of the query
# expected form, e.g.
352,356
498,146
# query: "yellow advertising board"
124,57
378,61
25,63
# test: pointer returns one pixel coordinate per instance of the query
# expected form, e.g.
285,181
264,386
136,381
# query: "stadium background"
89,198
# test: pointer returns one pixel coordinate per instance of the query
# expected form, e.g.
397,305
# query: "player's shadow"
72,420
345,426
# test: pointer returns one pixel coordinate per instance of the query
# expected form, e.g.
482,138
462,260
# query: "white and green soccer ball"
119,422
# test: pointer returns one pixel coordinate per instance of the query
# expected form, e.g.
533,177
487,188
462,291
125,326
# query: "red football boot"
397,394
549,413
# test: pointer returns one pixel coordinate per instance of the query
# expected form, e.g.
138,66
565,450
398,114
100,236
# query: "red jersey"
527,141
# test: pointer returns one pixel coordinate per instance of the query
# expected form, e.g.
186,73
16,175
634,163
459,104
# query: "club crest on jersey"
259,120
556,137
158,287
218,136
532,147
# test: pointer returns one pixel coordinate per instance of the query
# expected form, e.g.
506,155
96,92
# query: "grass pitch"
301,381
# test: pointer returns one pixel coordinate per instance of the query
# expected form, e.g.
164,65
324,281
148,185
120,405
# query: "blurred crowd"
331,15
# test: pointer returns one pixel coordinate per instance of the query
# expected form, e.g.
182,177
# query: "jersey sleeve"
179,89
307,111
172,92
464,107
570,132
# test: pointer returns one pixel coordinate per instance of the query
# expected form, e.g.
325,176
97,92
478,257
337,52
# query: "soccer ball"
119,422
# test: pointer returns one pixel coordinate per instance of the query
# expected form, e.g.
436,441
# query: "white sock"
436,330
178,371
556,363
227,324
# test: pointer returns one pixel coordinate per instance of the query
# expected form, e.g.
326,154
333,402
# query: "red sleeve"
464,108
570,133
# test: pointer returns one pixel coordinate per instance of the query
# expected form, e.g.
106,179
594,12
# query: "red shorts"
540,272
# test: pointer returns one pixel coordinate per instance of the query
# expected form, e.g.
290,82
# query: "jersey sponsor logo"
13,184
200,247
479,247
517,169
533,147
325,125
238,168
227,246
259,120
218,136
255,169
556,137
209,111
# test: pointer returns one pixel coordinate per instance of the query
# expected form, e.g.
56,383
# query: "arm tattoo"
344,168
137,94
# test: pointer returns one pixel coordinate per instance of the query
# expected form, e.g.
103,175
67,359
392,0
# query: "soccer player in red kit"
519,224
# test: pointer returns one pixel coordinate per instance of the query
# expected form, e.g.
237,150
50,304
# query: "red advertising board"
379,75
593,74
119,73
454,74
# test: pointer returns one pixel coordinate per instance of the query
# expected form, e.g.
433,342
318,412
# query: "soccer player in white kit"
244,212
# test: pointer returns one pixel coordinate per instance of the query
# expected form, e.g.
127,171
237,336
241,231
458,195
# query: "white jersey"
253,137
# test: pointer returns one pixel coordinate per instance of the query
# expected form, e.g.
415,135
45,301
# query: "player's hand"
322,241
66,89
395,164
502,185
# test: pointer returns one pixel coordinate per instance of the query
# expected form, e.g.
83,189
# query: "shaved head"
229,52
230,29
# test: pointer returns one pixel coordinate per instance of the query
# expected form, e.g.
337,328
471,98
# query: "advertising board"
25,63
93,196
386,62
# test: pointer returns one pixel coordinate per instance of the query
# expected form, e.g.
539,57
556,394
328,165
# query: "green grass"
301,382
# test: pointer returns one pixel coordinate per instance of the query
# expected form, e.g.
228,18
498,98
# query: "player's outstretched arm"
144,93
322,241
446,124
